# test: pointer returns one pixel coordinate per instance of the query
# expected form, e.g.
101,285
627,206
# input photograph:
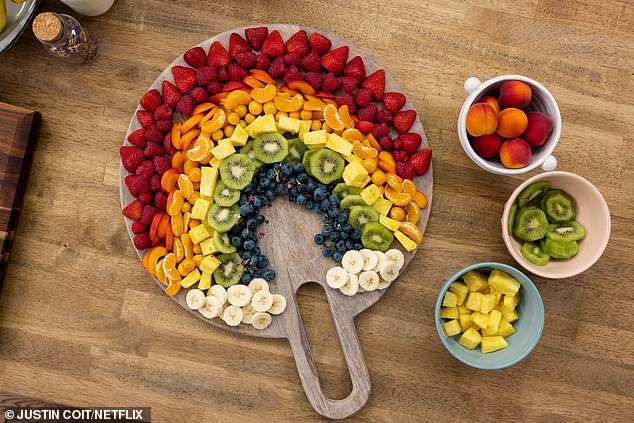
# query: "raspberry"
311,62
363,96
152,150
145,169
397,144
405,170
163,112
292,59
138,227
200,95
236,73
142,241
380,130
330,84
155,183
153,134
348,100
246,60
161,164
368,113
384,116
384,142
148,214
146,197
222,75
214,88
349,84
277,68
185,105
160,200
139,186
314,79
206,75
262,62
399,156
293,74
164,125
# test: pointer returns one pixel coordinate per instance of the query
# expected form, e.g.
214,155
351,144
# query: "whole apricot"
514,94
516,153
538,128
481,120
487,146
511,123
491,101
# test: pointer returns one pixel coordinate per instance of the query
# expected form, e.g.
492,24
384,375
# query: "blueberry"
292,198
253,261
310,205
269,274
335,236
298,167
252,223
326,230
270,194
341,246
327,251
326,219
260,219
246,209
311,186
257,273
271,174
319,239
287,169
333,211
344,234
349,244
236,241
246,278
337,257
334,200
301,199
320,194
277,166
343,217
324,207
347,228
263,262
265,182
249,245
338,225
257,202
247,190
245,234
356,234
301,189
257,251
280,189
246,255
358,246
302,177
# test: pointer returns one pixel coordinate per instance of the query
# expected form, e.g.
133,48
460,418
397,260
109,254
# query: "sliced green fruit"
559,249
360,215
559,207
225,196
534,254
270,147
306,160
296,150
566,232
532,193
511,218
376,236
222,242
342,190
530,224
230,270
237,171
223,218
248,150
327,166
350,201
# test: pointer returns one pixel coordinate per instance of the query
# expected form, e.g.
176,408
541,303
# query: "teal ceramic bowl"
528,329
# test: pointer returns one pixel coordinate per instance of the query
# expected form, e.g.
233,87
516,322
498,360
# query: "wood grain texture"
81,323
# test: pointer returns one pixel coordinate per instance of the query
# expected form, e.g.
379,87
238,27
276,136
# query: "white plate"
18,18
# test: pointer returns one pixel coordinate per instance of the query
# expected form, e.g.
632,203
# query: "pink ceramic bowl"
592,213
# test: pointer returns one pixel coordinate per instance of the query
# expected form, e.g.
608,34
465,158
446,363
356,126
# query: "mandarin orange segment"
216,122
409,186
373,143
159,273
394,181
369,165
352,134
208,116
412,231
185,186
264,95
378,177
174,285
186,266
169,267
194,174
174,202
387,162
397,213
188,245
362,151
332,118
344,113
202,147
179,251
397,198
177,224
186,219
413,212
191,122
235,99
288,105
420,199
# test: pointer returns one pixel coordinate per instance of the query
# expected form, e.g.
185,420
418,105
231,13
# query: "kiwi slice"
248,150
225,196
270,147
559,249
229,271
296,150
533,192
530,224
534,254
376,236
222,242
559,207
306,160
223,218
512,218
566,232
350,201
360,215
327,166
237,171
342,190
542,201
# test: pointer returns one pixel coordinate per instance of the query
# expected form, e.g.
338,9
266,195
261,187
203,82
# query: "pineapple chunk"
510,302
198,234
215,162
304,127
503,282
474,280
371,193
382,205
352,158
263,125
494,323
449,313
315,139
240,136
474,301
452,327
209,264
459,288
354,173
289,124
205,281
470,339
208,247
192,278
391,224
450,300
492,343
505,328
465,321
405,241
461,299
510,315
488,303
462,309
201,206
480,320
224,149
208,178
338,144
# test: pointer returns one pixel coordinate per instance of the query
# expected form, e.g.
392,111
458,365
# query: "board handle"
347,333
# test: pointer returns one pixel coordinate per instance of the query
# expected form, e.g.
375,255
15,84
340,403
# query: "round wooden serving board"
288,242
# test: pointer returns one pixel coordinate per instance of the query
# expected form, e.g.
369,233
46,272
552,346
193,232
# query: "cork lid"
47,27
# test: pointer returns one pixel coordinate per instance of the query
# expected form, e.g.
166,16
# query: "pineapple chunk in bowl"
528,328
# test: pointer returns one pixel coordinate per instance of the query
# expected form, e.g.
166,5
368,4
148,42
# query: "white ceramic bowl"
542,101
591,211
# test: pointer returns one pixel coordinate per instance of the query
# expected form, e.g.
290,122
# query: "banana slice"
354,279
380,261
370,259
262,301
383,284
390,271
195,299
258,284
352,261
247,314
279,304
219,292
233,314
395,256
336,277
351,287
369,280
239,295
261,320
212,307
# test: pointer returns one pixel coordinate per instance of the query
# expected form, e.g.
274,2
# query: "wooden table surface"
81,322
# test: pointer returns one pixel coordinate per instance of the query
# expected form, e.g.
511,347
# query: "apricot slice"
262,76
301,86
373,143
236,98
411,230
397,198
203,107
168,180
188,137
163,224
386,162
216,122
344,113
145,259
208,116
286,105
263,95
232,86
175,135
252,82
413,212
191,122
169,236
154,255
217,97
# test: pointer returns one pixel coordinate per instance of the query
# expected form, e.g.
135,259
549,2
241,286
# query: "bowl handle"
472,84
549,164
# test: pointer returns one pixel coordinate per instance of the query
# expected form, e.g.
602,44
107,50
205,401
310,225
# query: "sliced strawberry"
421,161
237,45
375,83
404,120
335,60
393,102
355,69
145,118
298,44
171,94
256,36
364,126
131,157
319,43
218,56
151,100
133,210
184,78
195,57
273,46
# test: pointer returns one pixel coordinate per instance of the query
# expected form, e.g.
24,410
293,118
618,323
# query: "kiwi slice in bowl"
532,193
225,196
327,166
360,215
237,171
376,236
248,150
306,160
559,249
296,150
270,147
342,190
223,218
229,271
512,218
559,207
222,242
566,232
530,224
350,201
534,254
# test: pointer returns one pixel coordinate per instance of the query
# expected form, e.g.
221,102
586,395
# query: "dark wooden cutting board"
18,133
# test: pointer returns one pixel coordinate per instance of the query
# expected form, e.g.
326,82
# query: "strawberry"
404,120
145,118
142,241
214,88
393,102
411,142
223,74
311,62
399,156
384,142
167,142
355,69
375,83
155,181
161,164
292,59
237,45
364,126
164,125
184,78
133,210
330,83
206,75
148,214
247,60
200,95
171,94
256,36
421,161
277,68
195,57
153,134
273,46
138,228
152,150
293,74
405,170
151,100
218,56
349,84
185,105
160,200
236,73
368,113
129,183
131,157
298,43
314,79
262,62
384,116
348,100
380,131
363,97
145,169
137,138
163,112
334,61
319,44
